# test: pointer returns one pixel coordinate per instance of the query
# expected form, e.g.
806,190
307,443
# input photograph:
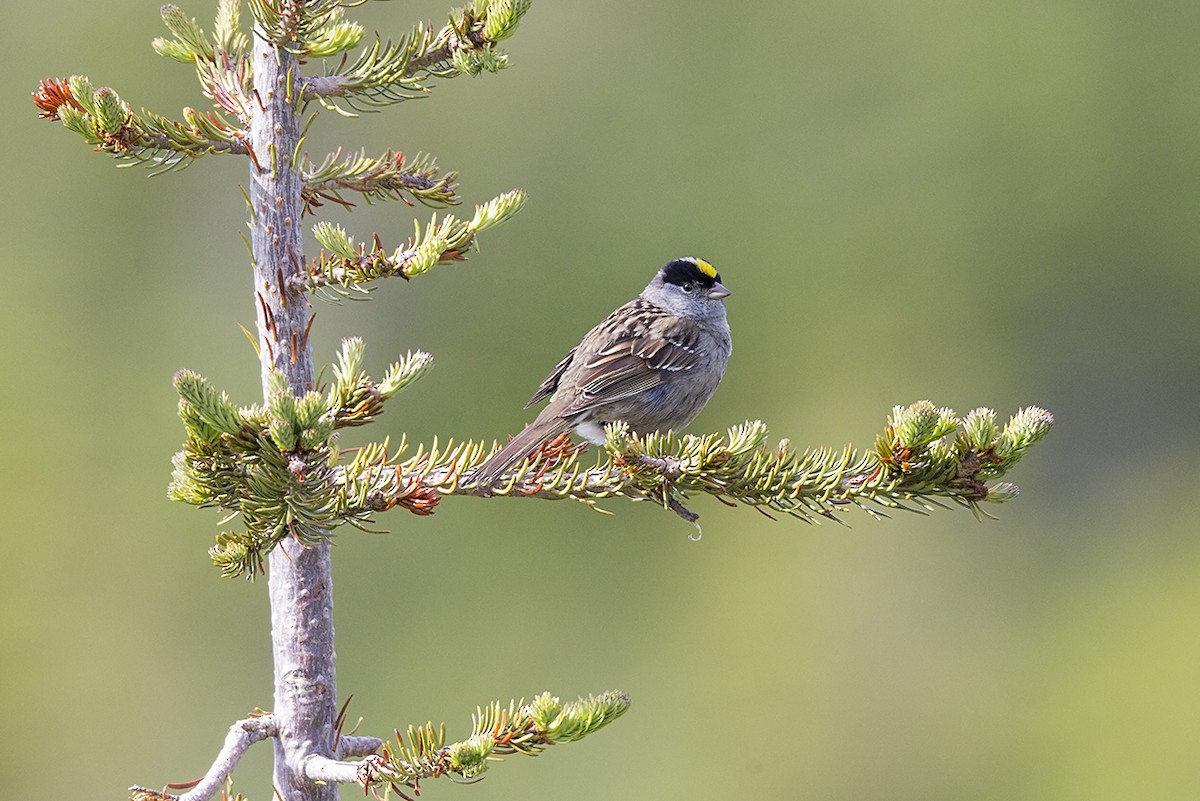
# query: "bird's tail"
519,447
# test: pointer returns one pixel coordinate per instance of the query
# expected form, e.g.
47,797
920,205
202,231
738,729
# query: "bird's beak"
717,292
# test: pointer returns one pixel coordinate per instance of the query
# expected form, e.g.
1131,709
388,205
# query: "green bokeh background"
981,203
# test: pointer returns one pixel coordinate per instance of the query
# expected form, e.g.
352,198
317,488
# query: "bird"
653,363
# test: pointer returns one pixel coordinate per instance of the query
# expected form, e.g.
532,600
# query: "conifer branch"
271,463
392,72
912,468
519,728
345,265
422,751
307,28
189,44
390,177
221,61
278,466
109,124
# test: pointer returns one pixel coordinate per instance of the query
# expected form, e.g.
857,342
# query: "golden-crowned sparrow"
652,363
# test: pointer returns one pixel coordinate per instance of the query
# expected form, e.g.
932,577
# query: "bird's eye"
689,287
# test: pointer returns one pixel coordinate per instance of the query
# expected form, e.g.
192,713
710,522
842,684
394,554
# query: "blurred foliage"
982,203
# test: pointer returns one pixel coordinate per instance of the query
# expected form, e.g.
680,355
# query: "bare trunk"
305,685
300,585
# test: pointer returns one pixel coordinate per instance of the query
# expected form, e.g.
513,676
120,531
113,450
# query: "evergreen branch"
388,177
422,753
273,464
307,28
344,265
378,77
519,728
912,468
354,399
278,468
222,64
392,72
108,124
191,45
277,465
269,464
228,36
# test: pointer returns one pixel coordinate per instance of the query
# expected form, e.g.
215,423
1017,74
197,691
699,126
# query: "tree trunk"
299,584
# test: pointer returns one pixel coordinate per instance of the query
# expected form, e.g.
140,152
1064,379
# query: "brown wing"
629,365
635,359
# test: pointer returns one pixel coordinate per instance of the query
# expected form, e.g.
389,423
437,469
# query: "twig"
333,771
318,86
242,735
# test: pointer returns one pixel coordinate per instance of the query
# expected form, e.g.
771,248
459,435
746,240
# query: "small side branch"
333,771
221,60
110,125
394,71
344,264
364,266
498,730
390,177
242,735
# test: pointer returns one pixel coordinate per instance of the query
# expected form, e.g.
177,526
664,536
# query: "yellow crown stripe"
705,267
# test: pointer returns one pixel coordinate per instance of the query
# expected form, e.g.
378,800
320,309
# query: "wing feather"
636,358
630,365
